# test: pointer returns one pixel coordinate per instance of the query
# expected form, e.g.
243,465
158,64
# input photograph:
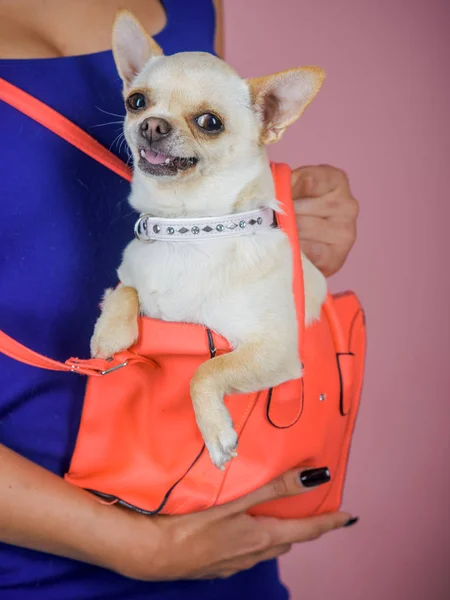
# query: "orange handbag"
138,443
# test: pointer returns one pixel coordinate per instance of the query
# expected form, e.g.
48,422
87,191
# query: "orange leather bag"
138,442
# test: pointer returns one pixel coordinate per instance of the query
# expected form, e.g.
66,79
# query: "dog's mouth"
157,163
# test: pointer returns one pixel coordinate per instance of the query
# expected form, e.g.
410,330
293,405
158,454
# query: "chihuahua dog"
203,185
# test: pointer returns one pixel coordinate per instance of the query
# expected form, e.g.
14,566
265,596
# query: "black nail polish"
314,477
351,521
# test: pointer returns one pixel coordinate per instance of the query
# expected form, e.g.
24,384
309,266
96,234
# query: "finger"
250,561
314,181
293,531
322,206
268,554
328,259
290,484
335,204
284,533
331,205
231,567
325,231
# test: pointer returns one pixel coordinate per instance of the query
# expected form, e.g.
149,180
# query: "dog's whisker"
105,124
124,141
115,140
109,113
130,156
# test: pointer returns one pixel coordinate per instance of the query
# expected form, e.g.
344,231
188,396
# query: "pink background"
383,116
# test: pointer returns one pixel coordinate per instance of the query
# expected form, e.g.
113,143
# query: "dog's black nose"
154,128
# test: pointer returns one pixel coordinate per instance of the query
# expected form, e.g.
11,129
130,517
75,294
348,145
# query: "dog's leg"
117,327
315,286
253,366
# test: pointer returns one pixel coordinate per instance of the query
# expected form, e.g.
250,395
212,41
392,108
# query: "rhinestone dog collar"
149,228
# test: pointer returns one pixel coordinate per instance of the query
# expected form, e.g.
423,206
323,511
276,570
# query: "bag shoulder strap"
21,353
54,121
58,124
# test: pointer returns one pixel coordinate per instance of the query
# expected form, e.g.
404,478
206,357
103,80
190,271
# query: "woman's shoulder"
190,26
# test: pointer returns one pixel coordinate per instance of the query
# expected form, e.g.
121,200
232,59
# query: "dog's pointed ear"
132,46
280,99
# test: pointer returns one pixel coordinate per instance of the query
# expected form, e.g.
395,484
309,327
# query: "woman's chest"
63,32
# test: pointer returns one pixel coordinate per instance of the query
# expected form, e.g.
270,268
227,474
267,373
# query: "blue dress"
64,222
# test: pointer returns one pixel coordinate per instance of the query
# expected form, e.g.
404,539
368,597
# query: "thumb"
291,483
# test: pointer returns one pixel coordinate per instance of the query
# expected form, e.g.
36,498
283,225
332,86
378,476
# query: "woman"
64,222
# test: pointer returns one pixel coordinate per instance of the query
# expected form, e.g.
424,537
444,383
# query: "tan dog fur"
240,287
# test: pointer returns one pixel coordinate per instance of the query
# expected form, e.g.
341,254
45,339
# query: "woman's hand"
326,215
223,540
40,511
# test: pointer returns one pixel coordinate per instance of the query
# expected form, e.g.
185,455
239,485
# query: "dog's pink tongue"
154,158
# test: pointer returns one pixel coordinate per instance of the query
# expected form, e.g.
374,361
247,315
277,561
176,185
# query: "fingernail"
314,477
351,521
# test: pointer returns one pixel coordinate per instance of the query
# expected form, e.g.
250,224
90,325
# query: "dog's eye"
136,101
209,122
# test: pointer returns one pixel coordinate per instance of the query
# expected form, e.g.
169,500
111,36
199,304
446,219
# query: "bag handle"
281,174
286,220
61,126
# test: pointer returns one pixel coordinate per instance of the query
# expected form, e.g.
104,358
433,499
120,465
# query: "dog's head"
190,114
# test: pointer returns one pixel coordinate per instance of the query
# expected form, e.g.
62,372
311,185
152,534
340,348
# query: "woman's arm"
40,511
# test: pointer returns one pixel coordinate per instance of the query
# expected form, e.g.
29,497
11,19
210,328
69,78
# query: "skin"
326,213
39,510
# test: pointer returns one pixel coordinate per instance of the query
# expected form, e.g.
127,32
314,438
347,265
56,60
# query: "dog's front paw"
112,336
219,436
222,447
